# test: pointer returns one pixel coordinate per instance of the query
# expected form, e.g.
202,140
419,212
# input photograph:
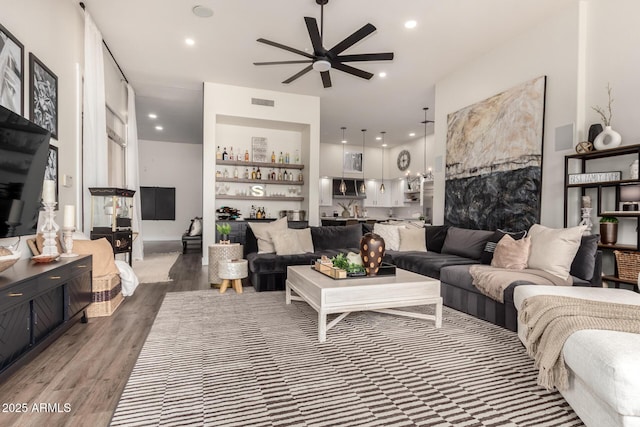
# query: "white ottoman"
604,372
231,272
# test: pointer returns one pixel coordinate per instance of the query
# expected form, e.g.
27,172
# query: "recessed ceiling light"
384,145
378,138
382,74
410,24
189,42
412,134
159,128
202,11
344,141
153,116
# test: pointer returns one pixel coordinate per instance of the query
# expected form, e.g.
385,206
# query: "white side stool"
231,272
221,252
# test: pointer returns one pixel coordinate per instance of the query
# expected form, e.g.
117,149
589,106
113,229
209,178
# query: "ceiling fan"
322,60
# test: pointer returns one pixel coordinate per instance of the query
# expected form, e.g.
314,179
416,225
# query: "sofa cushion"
390,233
490,246
262,231
270,262
435,235
292,241
412,239
511,253
336,236
427,263
465,243
553,249
584,263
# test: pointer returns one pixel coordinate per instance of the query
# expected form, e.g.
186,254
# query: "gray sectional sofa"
450,253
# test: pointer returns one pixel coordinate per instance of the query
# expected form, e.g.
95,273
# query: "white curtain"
94,126
133,174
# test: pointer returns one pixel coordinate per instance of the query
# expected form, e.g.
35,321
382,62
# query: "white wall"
550,49
170,164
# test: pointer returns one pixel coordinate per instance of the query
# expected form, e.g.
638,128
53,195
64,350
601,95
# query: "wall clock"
404,159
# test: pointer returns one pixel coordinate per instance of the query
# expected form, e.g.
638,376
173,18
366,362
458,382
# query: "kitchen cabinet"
326,196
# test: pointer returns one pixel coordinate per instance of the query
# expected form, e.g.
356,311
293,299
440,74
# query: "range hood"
353,189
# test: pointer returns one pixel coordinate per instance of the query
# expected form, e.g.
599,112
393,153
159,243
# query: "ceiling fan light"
322,65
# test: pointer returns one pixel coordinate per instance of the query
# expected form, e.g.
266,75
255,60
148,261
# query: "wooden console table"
38,302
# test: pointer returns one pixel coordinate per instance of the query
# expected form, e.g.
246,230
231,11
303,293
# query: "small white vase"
608,138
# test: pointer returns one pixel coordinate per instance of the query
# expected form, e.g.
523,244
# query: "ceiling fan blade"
314,35
366,57
302,61
299,74
349,69
352,39
281,46
326,79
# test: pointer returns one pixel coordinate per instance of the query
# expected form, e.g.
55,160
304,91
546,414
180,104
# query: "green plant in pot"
224,229
608,230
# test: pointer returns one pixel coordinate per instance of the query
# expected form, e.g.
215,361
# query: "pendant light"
363,187
383,146
426,174
343,186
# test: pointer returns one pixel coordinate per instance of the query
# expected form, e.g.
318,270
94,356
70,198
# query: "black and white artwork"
44,96
11,66
51,169
352,162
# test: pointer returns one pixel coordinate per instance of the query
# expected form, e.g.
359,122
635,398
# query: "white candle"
49,191
69,216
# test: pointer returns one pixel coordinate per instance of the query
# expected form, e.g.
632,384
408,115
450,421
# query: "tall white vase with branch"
608,138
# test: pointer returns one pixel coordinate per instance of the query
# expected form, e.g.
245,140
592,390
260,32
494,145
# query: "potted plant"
608,230
224,228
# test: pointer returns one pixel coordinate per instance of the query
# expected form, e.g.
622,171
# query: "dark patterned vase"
371,252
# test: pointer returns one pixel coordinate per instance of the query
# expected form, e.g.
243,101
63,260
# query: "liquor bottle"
253,173
225,155
300,177
218,154
226,173
284,176
258,214
246,173
258,173
218,174
231,154
279,174
235,173
240,155
297,157
273,157
291,176
286,158
281,159
246,155
264,214
252,214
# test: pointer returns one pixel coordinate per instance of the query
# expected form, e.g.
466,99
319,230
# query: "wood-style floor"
85,370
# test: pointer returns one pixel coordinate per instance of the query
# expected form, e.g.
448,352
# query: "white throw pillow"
263,230
412,239
196,227
553,249
292,241
390,234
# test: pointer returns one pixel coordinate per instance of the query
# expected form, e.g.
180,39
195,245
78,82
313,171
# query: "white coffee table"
380,294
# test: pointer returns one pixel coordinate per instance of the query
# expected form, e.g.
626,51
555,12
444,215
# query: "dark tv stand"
38,303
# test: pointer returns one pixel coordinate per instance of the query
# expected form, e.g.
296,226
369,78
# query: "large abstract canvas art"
494,160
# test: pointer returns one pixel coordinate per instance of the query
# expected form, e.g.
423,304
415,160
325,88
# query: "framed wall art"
11,72
51,169
43,87
352,162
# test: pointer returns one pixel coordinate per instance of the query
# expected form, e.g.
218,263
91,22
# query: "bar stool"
231,272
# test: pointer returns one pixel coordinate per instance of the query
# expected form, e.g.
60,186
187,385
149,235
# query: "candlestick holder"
586,219
49,230
67,238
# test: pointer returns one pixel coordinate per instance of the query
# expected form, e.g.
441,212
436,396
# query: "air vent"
265,102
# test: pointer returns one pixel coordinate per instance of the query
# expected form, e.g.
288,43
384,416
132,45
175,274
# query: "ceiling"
147,38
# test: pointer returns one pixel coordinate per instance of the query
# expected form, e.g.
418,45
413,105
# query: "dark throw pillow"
435,235
465,243
490,247
336,237
585,260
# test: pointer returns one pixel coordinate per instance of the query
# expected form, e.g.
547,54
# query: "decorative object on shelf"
586,220
584,147
594,130
224,229
259,149
346,208
589,178
43,86
7,258
633,169
363,186
608,138
404,160
49,227
68,227
628,263
371,252
608,230
383,146
343,187
12,77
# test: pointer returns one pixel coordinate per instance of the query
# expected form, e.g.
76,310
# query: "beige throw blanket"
492,281
551,319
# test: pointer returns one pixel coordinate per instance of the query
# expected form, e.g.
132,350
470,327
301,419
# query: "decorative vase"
346,213
594,131
608,138
224,239
608,233
371,252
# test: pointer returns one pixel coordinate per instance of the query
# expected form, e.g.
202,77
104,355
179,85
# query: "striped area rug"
251,360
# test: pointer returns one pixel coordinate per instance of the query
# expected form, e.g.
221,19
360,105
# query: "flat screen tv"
24,148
